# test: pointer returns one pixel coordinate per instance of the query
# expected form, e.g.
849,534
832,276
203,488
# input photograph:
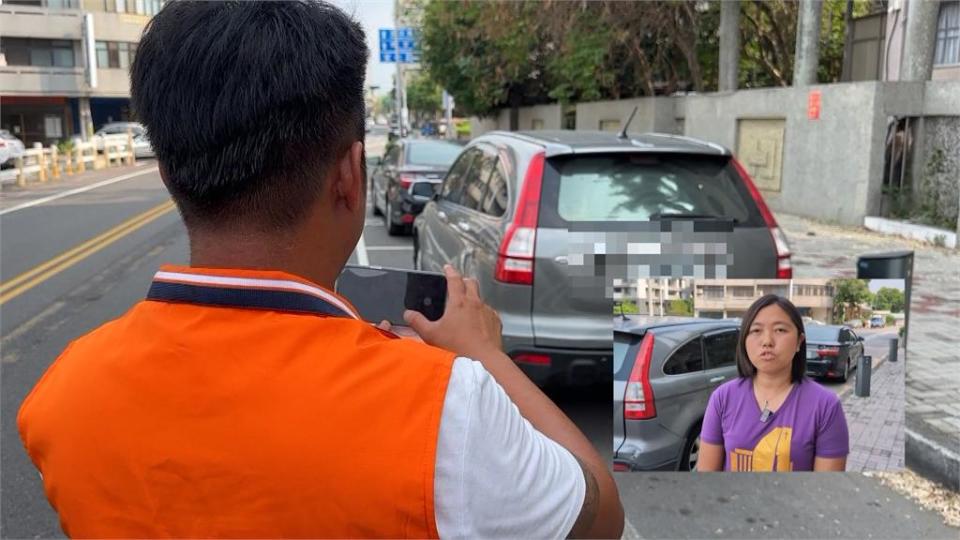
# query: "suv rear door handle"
717,379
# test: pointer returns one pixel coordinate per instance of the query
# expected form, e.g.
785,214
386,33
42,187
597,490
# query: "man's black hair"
798,367
248,104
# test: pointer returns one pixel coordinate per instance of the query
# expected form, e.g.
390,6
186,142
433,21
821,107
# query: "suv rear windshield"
644,187
623,343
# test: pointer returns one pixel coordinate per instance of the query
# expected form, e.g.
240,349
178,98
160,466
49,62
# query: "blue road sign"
399,45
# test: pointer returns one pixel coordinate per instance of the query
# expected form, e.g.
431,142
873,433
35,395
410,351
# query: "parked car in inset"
10,148
832,351
506,209
664,372
407,178
877,321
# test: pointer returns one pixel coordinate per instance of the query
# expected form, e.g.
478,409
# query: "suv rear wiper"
677,215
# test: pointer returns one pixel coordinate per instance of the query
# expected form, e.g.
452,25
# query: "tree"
768,33
486,54
681,307
889,299
424,96
848,296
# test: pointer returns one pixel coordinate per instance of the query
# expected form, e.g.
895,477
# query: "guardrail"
49,163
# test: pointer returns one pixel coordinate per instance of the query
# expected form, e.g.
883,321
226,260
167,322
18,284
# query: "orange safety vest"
239,403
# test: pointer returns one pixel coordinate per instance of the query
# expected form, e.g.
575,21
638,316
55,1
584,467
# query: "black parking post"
864,368
890,265
892,355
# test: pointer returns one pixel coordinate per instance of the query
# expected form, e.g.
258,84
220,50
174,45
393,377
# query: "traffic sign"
399,45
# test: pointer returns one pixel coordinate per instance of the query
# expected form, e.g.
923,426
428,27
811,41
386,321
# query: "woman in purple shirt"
772,417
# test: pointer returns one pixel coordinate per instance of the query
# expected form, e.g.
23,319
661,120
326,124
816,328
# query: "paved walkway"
876,422
933,362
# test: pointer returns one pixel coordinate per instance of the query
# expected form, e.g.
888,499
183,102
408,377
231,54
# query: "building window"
947,49
742,292
115,55
713,291
38,52
102,59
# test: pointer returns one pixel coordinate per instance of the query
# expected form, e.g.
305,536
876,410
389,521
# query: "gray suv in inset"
507,208
664,373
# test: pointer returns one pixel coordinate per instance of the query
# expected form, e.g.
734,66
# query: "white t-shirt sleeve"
496,475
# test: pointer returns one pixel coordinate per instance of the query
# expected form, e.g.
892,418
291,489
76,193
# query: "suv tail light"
638,401
532,358
406,180
784,268
828,351
515,256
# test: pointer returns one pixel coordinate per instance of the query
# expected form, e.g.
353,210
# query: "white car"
10,148
142,147
117,128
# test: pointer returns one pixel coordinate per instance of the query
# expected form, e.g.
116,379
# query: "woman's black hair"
799,366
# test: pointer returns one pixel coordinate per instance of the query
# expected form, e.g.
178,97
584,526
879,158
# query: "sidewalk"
932,365
876,422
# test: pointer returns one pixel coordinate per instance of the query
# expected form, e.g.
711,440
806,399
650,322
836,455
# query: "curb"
932,460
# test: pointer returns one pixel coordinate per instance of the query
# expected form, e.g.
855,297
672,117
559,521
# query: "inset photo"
758,375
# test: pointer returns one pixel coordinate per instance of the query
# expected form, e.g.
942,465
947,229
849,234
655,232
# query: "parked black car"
664,372
832,351
407,178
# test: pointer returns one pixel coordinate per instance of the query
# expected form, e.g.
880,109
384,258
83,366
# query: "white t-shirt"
497,476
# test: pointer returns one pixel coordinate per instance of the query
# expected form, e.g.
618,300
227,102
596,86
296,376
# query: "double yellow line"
33,277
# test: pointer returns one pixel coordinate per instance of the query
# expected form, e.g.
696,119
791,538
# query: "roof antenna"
623,134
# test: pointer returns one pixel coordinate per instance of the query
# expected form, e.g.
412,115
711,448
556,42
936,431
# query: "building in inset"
64,64
724,298
652,296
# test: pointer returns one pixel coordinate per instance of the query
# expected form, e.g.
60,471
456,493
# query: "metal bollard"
892,355
864,368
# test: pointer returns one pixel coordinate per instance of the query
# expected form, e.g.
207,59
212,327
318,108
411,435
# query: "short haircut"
248,104
745,367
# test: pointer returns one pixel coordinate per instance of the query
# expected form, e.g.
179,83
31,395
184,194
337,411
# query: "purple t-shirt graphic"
809,424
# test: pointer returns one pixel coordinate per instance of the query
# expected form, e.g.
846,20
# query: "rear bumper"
565,367
819,368
649,447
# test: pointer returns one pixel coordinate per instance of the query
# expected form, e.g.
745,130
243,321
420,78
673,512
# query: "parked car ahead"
117,128
832,350
407,178
664,373
877,321
10,148
507,206
142,147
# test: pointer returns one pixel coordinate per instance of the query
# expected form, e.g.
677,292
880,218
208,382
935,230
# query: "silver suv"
507,208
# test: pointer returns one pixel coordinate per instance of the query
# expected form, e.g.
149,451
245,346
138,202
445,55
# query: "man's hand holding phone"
468,327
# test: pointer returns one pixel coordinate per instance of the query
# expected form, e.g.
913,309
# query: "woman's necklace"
766,412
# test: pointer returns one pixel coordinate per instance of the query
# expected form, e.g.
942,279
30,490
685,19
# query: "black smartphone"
384,293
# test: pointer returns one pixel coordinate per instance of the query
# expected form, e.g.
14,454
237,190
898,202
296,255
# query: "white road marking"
77,190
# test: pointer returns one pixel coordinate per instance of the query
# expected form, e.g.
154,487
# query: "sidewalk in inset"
876,422
932,366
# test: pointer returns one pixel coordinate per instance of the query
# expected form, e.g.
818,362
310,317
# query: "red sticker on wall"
813,105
